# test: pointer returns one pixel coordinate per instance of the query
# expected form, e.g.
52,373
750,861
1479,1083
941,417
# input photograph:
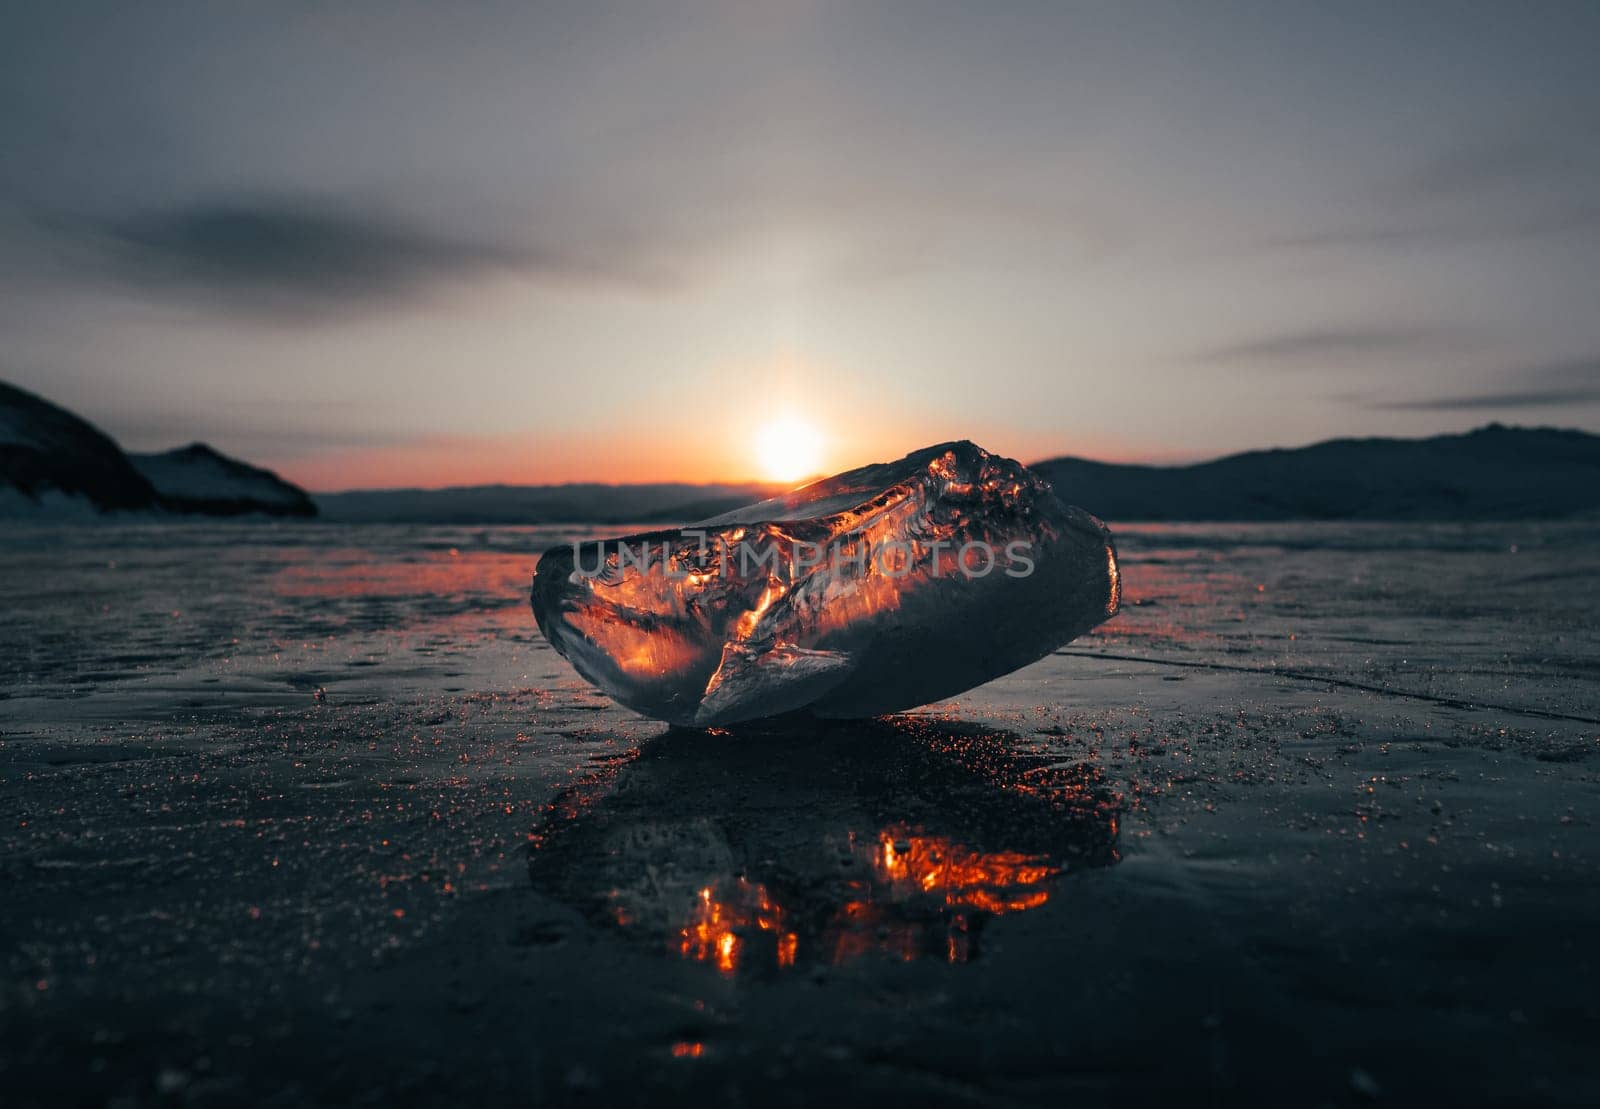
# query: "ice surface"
159,674
873,591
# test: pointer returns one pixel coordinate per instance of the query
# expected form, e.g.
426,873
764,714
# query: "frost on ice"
866,593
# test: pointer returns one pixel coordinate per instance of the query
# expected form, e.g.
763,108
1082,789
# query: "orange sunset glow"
774,451
789,449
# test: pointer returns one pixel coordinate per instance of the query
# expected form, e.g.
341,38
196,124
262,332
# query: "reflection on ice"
992,881
918,895
724,920
801,844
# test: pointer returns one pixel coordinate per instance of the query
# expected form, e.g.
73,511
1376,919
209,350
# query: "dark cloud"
1571,382
1539,180
276,433
1516,398
1486,165
1574,218
163,416
301,257
1579,371
1318,347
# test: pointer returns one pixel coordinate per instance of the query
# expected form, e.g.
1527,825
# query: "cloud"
1506,161
252,423
1523,398
274,434
1574,218
1317,347
1558,383
1537,180
300,257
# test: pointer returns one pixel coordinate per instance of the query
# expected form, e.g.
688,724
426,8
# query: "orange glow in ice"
650,618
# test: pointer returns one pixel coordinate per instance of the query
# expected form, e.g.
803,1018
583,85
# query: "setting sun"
789,449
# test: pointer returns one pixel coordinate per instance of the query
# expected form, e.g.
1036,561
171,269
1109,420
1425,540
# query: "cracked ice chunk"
870,592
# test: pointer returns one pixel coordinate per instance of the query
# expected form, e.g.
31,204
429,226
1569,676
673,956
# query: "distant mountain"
55,464
1493,473
541,504
51,458
196,479
52,461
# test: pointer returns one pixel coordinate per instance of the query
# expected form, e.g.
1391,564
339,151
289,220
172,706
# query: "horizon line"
776,487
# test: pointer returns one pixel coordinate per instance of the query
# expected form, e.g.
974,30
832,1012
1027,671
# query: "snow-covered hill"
198,479
55,463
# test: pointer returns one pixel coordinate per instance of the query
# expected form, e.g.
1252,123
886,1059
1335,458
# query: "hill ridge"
1491,472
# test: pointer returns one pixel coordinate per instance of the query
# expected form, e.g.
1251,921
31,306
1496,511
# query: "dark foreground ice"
299,814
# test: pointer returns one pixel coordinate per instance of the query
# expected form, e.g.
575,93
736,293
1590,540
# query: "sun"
789,449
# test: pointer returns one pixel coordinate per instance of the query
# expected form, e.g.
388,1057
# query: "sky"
430,244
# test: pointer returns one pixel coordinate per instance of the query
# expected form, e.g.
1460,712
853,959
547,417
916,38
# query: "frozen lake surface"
311,813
